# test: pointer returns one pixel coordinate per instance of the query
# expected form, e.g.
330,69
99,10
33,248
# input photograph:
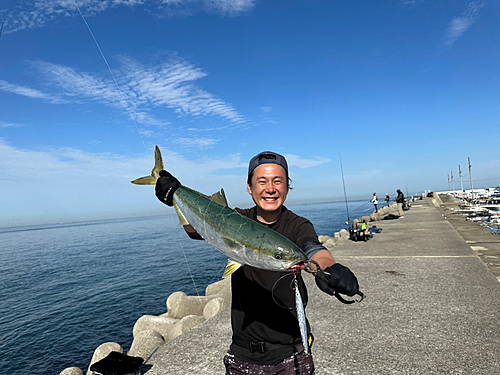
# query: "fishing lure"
301,315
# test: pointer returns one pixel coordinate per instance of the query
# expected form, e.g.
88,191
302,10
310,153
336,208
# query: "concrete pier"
432,307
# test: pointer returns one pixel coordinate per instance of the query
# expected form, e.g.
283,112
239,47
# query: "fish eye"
278,256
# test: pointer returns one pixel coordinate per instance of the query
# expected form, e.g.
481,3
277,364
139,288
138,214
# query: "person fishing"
266,337
375,201
400,199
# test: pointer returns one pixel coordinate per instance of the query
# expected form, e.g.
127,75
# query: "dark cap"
267,157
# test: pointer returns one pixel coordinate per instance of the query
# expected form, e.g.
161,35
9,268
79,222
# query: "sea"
67,288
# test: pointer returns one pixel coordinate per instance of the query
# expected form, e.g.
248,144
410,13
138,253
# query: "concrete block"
145,343
159,324
215,306
185,324
218,287
71,371
344,233
180,305
102,351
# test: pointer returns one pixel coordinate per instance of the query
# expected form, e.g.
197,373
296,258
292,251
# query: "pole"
470,174
449,186
461,183
452,183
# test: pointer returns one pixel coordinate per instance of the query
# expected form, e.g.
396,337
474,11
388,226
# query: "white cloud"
231,7
461,24
297,161
140,89
68,183
38,13
4,125
170,84
198,143
29,92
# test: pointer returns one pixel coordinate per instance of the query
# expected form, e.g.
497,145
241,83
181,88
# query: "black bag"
116,363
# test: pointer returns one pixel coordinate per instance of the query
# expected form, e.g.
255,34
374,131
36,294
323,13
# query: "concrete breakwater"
186,312
183,313
386,212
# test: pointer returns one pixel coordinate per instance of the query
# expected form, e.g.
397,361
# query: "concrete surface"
432,307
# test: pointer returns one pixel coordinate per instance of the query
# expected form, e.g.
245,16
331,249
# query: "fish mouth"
296,265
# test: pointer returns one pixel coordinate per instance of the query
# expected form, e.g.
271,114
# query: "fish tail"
151,179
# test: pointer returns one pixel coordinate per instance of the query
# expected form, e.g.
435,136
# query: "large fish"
243,240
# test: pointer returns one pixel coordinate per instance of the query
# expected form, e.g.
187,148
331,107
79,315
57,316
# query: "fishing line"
345,194
112,75
292,286
187,264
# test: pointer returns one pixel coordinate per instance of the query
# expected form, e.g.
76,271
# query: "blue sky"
404,90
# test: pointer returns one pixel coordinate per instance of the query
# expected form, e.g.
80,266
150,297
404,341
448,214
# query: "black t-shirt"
263,302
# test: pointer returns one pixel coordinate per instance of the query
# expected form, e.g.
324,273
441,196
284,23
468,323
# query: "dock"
432,306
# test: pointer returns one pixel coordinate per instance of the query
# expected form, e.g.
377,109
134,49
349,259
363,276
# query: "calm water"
65,289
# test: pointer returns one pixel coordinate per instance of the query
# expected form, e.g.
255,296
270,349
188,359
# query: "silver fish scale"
249,242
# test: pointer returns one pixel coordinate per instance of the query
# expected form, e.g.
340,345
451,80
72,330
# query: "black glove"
166,187
342,280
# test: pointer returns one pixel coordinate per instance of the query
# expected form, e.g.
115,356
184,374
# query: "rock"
365,219
215,306
185,324
160,324
180,305
344,233
393,210
145,343
102,351
323,239
218,287
331,242
327,241
71,371
355,223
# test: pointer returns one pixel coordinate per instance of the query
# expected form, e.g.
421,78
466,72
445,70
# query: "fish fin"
230,243
148,180
151,179
231,267
182,218
158,162
219,198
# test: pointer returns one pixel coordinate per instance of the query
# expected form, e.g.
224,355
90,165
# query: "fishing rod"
345,194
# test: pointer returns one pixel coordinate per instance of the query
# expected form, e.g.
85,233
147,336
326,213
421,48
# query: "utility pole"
452,183
470,174
461,183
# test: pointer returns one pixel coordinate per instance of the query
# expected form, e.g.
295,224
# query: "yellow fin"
230,243
151,180
148,180
158,162
231,267
182,218
219,198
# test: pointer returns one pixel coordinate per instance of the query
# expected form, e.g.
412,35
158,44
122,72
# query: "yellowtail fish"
243,240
